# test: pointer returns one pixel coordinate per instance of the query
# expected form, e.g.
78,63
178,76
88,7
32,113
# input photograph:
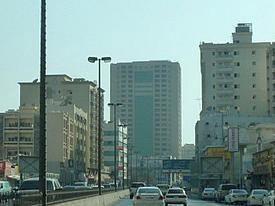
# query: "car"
208,193
238,196
269,199
96,187
256,197
134,186
176,195
148,196
5,190
107,186
163,188
223,190
31,185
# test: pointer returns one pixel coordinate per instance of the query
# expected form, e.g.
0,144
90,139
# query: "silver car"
176,195
208,193
148,196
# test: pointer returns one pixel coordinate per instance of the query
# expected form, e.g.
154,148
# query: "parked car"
238,196
223,190
107,186
77,186
176,195
134,186
148,196
256,197
5,190
163,188
269,199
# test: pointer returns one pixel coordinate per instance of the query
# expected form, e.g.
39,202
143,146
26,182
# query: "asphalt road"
190,202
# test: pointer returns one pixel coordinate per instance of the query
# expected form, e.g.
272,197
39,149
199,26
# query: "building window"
236,86
236,97
214,86
213,64
253,52
213,75
253,63
237,64
253,74
254,108
236,53
236,75
254,85
214,97
213,53
254,96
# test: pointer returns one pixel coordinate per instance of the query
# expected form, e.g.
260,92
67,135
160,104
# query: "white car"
256,197
134,186
148,196
208,193
176,195
238,196
269,199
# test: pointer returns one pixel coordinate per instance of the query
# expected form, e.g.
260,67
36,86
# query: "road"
191,202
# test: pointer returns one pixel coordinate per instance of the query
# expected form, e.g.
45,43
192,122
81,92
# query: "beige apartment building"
19,133
239,75
80,92
67,132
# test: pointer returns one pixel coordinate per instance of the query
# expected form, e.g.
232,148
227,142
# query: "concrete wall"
103,200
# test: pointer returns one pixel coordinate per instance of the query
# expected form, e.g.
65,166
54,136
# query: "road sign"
233,139
177,165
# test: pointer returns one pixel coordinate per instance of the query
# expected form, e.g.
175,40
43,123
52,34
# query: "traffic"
225,194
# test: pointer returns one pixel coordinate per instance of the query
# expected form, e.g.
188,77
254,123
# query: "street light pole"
42,140
114,105
93,60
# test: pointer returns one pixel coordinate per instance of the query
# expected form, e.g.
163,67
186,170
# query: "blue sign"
177,164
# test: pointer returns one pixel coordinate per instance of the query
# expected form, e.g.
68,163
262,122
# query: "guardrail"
56,197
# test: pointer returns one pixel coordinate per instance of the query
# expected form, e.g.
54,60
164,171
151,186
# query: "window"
214,86
214,97
253,74
213,64
237,64
254,85
253,63
253,52
254,108
236,86
213,75
236,97
213,53
254,96
236,53
236,75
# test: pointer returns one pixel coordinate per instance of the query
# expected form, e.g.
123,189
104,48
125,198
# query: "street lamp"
115,105
123,155
93,60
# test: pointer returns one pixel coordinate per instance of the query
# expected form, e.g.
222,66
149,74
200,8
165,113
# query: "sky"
126,30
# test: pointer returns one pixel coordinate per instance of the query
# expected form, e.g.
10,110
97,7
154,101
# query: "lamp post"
115,105
42,109
123,155
93,60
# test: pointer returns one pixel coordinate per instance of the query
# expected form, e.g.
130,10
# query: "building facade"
238,75
150,92
122,150
188,151
19,133
82,93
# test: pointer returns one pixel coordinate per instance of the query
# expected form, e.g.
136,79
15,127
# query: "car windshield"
148,190
175,191
239,191
209,189
259,192
228,187
137,185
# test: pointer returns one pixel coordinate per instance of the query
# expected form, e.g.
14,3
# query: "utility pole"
42,140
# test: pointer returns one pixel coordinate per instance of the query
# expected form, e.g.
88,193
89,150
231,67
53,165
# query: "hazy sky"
126,30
